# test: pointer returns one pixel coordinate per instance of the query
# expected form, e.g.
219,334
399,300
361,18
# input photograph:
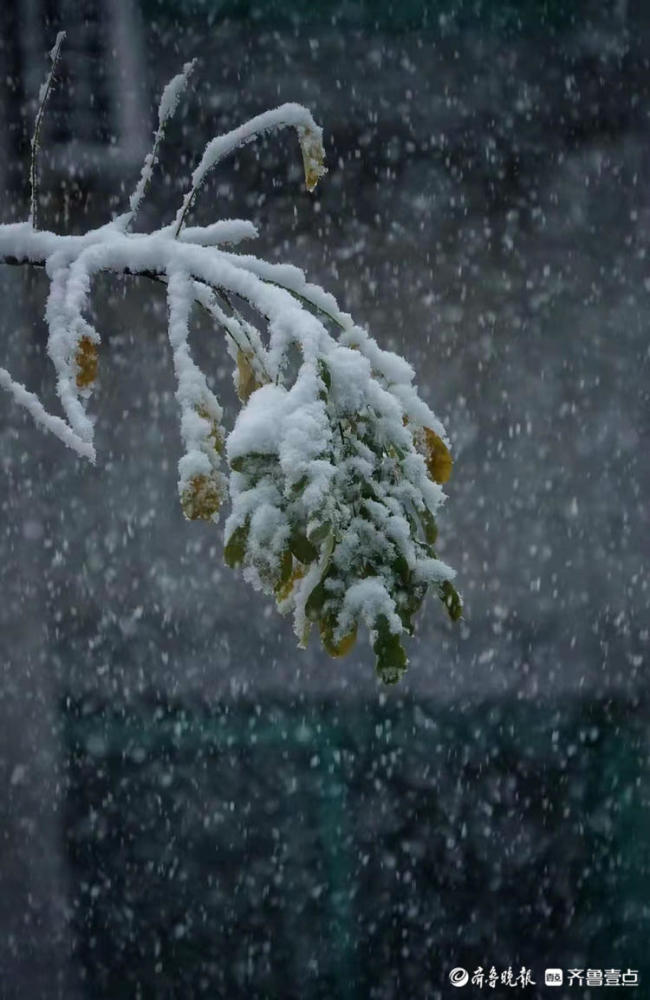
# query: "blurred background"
190,805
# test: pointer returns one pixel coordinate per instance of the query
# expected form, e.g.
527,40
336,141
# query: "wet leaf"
247,381
302,548
313,156
315,601
283,588
284,573
299,487
319,533
391,658
451,599
325,375
400,568
438,457
254,463
340,648
235,548
429,526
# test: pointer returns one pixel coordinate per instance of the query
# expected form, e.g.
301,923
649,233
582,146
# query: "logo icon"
553,977
459,976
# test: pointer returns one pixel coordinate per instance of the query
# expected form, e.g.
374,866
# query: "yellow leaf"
201,499
340,648
284,590
313,157
214,434
438,457
246,379
86,362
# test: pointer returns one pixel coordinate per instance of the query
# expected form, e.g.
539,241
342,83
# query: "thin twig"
43,97
169,101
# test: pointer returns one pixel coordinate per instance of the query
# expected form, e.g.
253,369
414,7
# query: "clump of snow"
225,231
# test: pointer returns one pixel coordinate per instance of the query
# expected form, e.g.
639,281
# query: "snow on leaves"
334,464
333,502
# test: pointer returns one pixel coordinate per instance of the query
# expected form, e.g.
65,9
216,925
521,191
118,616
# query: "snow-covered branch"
169,101
310,136
334,472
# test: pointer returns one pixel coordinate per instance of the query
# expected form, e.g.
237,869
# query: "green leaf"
302,548
325,374
368,493
299,487
391,658
315,602
286,565
235,549
406,620
319,532
254,463
429,526
410,604
451,600
344,645
400,568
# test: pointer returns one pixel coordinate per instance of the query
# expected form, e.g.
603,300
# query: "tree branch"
43,98
201,287
169,101
309,135
336,461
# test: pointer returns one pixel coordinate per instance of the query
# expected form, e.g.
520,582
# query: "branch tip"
43,96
